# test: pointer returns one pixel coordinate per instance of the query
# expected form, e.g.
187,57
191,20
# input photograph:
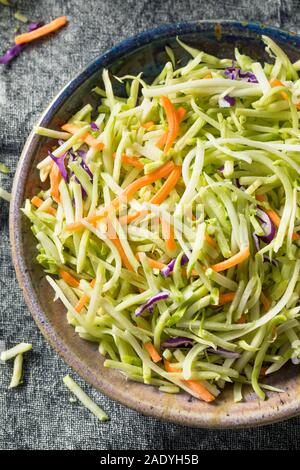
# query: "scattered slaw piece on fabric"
17,371
41,31
20,17
36,30
169,222
5,195
20,348
85,399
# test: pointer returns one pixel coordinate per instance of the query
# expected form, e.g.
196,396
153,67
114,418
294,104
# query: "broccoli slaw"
169,225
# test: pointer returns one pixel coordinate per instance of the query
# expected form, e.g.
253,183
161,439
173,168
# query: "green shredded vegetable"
3,168
20,17
172,233
85,399
20,348
17,372
5,195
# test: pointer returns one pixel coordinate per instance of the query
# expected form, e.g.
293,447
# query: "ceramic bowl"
143,53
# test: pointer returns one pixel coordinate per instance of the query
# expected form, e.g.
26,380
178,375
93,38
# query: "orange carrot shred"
133,161
116,241
265,301
68,278
148,124
84,299
55,178
155,264
169,184
173,122
169,367
194,385
242,319
162,140
87,138
226,298
42,31
274,216
37,202
181,112
168,235
155,356
203,393
210,240
233,261
263,371
274,83
260,197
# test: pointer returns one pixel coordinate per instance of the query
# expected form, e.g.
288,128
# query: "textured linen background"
38,414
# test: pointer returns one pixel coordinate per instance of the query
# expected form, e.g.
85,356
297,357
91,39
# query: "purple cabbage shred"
235,73
169,268
60,162
227,101
94,127
35,25
223,353
177,342
11,53
156,298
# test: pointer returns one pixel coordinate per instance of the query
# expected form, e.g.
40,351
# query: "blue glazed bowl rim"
205,419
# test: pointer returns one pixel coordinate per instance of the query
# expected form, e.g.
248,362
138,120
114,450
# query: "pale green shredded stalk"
17,372
85,399
20,348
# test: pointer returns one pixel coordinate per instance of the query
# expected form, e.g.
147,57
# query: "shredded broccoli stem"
85,399
17,372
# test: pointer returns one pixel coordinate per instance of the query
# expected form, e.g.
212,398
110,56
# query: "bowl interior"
145,53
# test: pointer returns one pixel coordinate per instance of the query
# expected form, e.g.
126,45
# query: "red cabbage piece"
177,342
237,183
11,53
267,259
94,126
234,73
82,154
156,298
248,77
223,353
256,241
73,158
35,25
227,101
267,225
169,268
60,162
87,169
